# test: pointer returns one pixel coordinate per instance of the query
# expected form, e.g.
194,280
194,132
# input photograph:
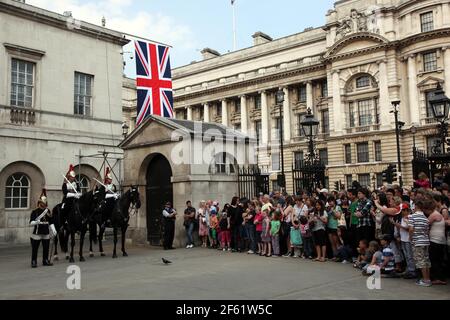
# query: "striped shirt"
420,236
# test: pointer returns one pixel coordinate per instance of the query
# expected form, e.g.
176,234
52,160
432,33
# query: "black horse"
120,216
77,220
60,222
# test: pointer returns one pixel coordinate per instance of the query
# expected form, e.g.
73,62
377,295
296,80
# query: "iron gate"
420,163
252,181
308,177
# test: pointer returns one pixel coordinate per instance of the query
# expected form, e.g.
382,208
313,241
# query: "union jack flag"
153,81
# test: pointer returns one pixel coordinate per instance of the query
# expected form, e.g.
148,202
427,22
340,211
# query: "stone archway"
159,189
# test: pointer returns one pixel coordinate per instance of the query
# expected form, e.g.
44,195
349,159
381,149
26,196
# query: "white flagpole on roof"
234,25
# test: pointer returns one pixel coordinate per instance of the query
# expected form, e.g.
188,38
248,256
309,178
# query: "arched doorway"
159,190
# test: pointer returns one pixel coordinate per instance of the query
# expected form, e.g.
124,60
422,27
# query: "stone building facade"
60,96
347,72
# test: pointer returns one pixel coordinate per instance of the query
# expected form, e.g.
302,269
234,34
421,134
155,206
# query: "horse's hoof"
91,254
103,254
125,254
71,260
114,256
82,259
55,258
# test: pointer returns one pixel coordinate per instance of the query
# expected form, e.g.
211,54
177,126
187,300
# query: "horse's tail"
93,231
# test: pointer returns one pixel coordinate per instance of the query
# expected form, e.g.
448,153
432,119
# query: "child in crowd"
306,237
420,239
259,228
275,225
388,265
361,261
265,234
225,232
376,258
296,239
406,246
213,226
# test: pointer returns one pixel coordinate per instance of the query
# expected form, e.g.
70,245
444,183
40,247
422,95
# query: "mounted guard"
70,189
111,196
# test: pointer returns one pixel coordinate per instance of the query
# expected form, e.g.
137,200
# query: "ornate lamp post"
279,101
125,128
313,168
440,105
398,126
413,132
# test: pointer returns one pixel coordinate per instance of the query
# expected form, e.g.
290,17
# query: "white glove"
53,232
71,195
116,196
34,223
77,195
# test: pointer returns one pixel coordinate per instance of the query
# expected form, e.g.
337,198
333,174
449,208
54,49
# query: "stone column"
446,53
385,103
244,114
264,118
189,113
286,116
225,112
338,110
206,113
412,89
309,97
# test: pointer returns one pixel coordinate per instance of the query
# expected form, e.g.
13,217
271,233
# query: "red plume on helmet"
107,174
71,172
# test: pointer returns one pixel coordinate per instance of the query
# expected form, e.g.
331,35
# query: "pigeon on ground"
166,261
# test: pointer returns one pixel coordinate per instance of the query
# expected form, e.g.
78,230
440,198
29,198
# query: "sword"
106,188
65,178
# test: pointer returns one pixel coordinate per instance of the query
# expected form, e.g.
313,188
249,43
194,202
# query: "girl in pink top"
258,223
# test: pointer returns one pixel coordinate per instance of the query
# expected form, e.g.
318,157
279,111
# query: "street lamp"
125,128
310,127
440,105
395,105
279,100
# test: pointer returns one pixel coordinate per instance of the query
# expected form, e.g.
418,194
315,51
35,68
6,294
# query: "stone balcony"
22,116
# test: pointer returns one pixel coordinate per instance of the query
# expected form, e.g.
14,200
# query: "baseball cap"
403,206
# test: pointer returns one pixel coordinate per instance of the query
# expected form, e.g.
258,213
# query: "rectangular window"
298,159
201,113
324,89
428,96
277,129
364,180
257,102
275,186
348,180
219,110
325,122
276,161
362,150
302,94
348,153
237,106
351,115
22,83
426,21
300,118
323,156
364,113
377,147
379,180
429,61
83,94
258,129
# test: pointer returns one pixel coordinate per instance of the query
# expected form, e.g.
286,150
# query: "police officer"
43,228
169,215
70,190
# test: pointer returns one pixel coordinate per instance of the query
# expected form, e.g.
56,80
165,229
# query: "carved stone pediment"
299,107
365,21
255,114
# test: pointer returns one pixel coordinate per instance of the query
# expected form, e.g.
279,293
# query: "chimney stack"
261,38
208,53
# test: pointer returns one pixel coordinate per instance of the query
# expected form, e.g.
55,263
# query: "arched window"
362,82
84,183
17,192
223,164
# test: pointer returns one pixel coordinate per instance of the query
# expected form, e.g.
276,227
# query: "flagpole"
234,25
145,39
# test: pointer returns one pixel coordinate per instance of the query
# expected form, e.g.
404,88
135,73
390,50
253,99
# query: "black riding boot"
45,245
34,252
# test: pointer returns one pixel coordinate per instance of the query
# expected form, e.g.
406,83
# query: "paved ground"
197,274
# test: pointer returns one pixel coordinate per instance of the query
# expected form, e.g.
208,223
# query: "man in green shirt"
354,220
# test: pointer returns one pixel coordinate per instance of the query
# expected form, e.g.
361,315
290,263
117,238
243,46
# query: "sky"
192,25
